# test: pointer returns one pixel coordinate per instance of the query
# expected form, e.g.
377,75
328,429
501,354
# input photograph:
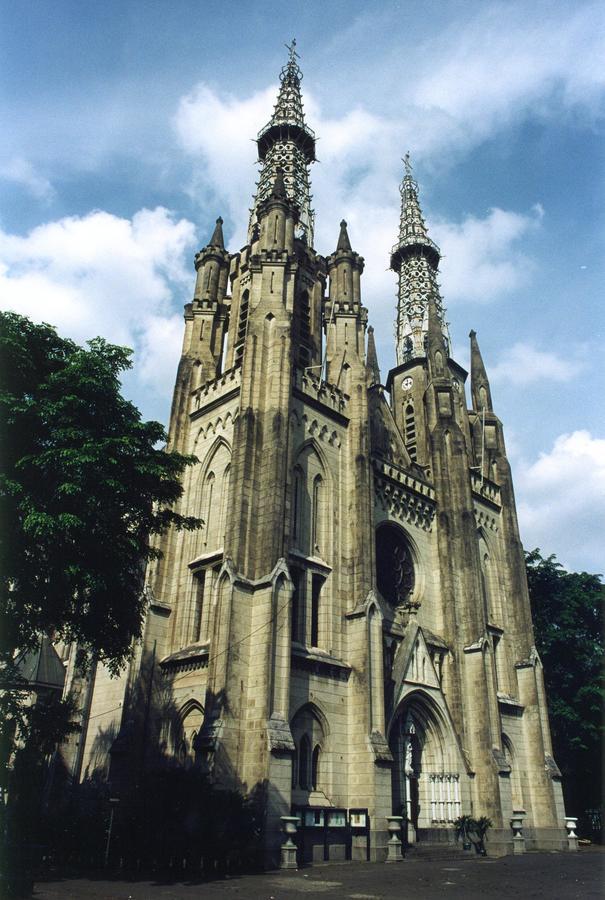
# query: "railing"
445,797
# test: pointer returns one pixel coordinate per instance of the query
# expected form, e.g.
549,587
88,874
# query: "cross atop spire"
293,54
286,141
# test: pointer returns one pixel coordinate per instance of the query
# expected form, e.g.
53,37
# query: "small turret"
436,345
344,270
480,391
212,266
277,215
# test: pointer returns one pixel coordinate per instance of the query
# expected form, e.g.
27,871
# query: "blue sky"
127,129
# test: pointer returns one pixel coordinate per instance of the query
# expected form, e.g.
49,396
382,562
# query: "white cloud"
524,364
104,275
484,74
482,258
21,171
561,500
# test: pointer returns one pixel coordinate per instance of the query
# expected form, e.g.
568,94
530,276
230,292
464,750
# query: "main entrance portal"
426,778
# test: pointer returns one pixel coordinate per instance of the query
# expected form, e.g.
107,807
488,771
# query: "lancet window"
242,327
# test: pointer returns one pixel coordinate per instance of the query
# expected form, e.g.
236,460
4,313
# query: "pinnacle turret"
288,143
480,391
217,239
344,243
415,258
372,359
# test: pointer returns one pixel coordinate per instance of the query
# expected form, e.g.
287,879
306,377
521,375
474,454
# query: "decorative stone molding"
279,735
402,500
329,398
380,748
319,663
551,767
485,519
195,656
226,385
486,489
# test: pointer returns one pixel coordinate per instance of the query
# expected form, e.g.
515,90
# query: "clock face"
407,383
456,384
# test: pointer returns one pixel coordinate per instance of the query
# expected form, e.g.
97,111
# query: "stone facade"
351,626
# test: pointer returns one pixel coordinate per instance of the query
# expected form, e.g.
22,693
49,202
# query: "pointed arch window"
315,767
304,755
304,329
317,523
225,502
242,327
316,586
410,431
296,605
297,504
209,490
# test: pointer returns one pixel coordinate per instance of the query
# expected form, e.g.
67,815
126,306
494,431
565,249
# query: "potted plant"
473,832
463,825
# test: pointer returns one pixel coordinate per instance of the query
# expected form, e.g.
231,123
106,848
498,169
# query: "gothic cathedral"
350,629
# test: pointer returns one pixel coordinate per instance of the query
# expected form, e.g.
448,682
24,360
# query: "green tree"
567,609
83,484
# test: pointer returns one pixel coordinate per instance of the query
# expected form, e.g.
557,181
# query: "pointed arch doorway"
426,772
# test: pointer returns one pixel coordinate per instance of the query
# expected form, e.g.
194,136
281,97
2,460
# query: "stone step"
437,851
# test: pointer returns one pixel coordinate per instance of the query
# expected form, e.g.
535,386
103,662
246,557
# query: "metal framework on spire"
286,142
415,258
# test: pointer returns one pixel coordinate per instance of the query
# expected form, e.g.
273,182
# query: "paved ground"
552,876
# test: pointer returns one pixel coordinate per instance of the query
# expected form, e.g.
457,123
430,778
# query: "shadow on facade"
147,808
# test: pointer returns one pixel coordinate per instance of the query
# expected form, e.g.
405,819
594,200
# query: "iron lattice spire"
415,258
287,143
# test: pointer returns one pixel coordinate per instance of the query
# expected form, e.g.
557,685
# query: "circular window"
394,565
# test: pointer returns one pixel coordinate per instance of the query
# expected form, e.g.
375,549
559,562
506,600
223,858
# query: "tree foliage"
567,610
82,486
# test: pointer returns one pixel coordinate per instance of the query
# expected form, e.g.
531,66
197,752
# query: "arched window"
410,431
310,771
315,767
225,503
394,565
304,329
296,605
208,511
304,754
317,514
242,327
297,504
316,586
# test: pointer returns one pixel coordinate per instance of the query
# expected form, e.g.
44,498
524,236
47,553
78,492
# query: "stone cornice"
408,498
215,393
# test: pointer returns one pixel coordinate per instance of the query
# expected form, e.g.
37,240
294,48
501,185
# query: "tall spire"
286,142
415,258
480,392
